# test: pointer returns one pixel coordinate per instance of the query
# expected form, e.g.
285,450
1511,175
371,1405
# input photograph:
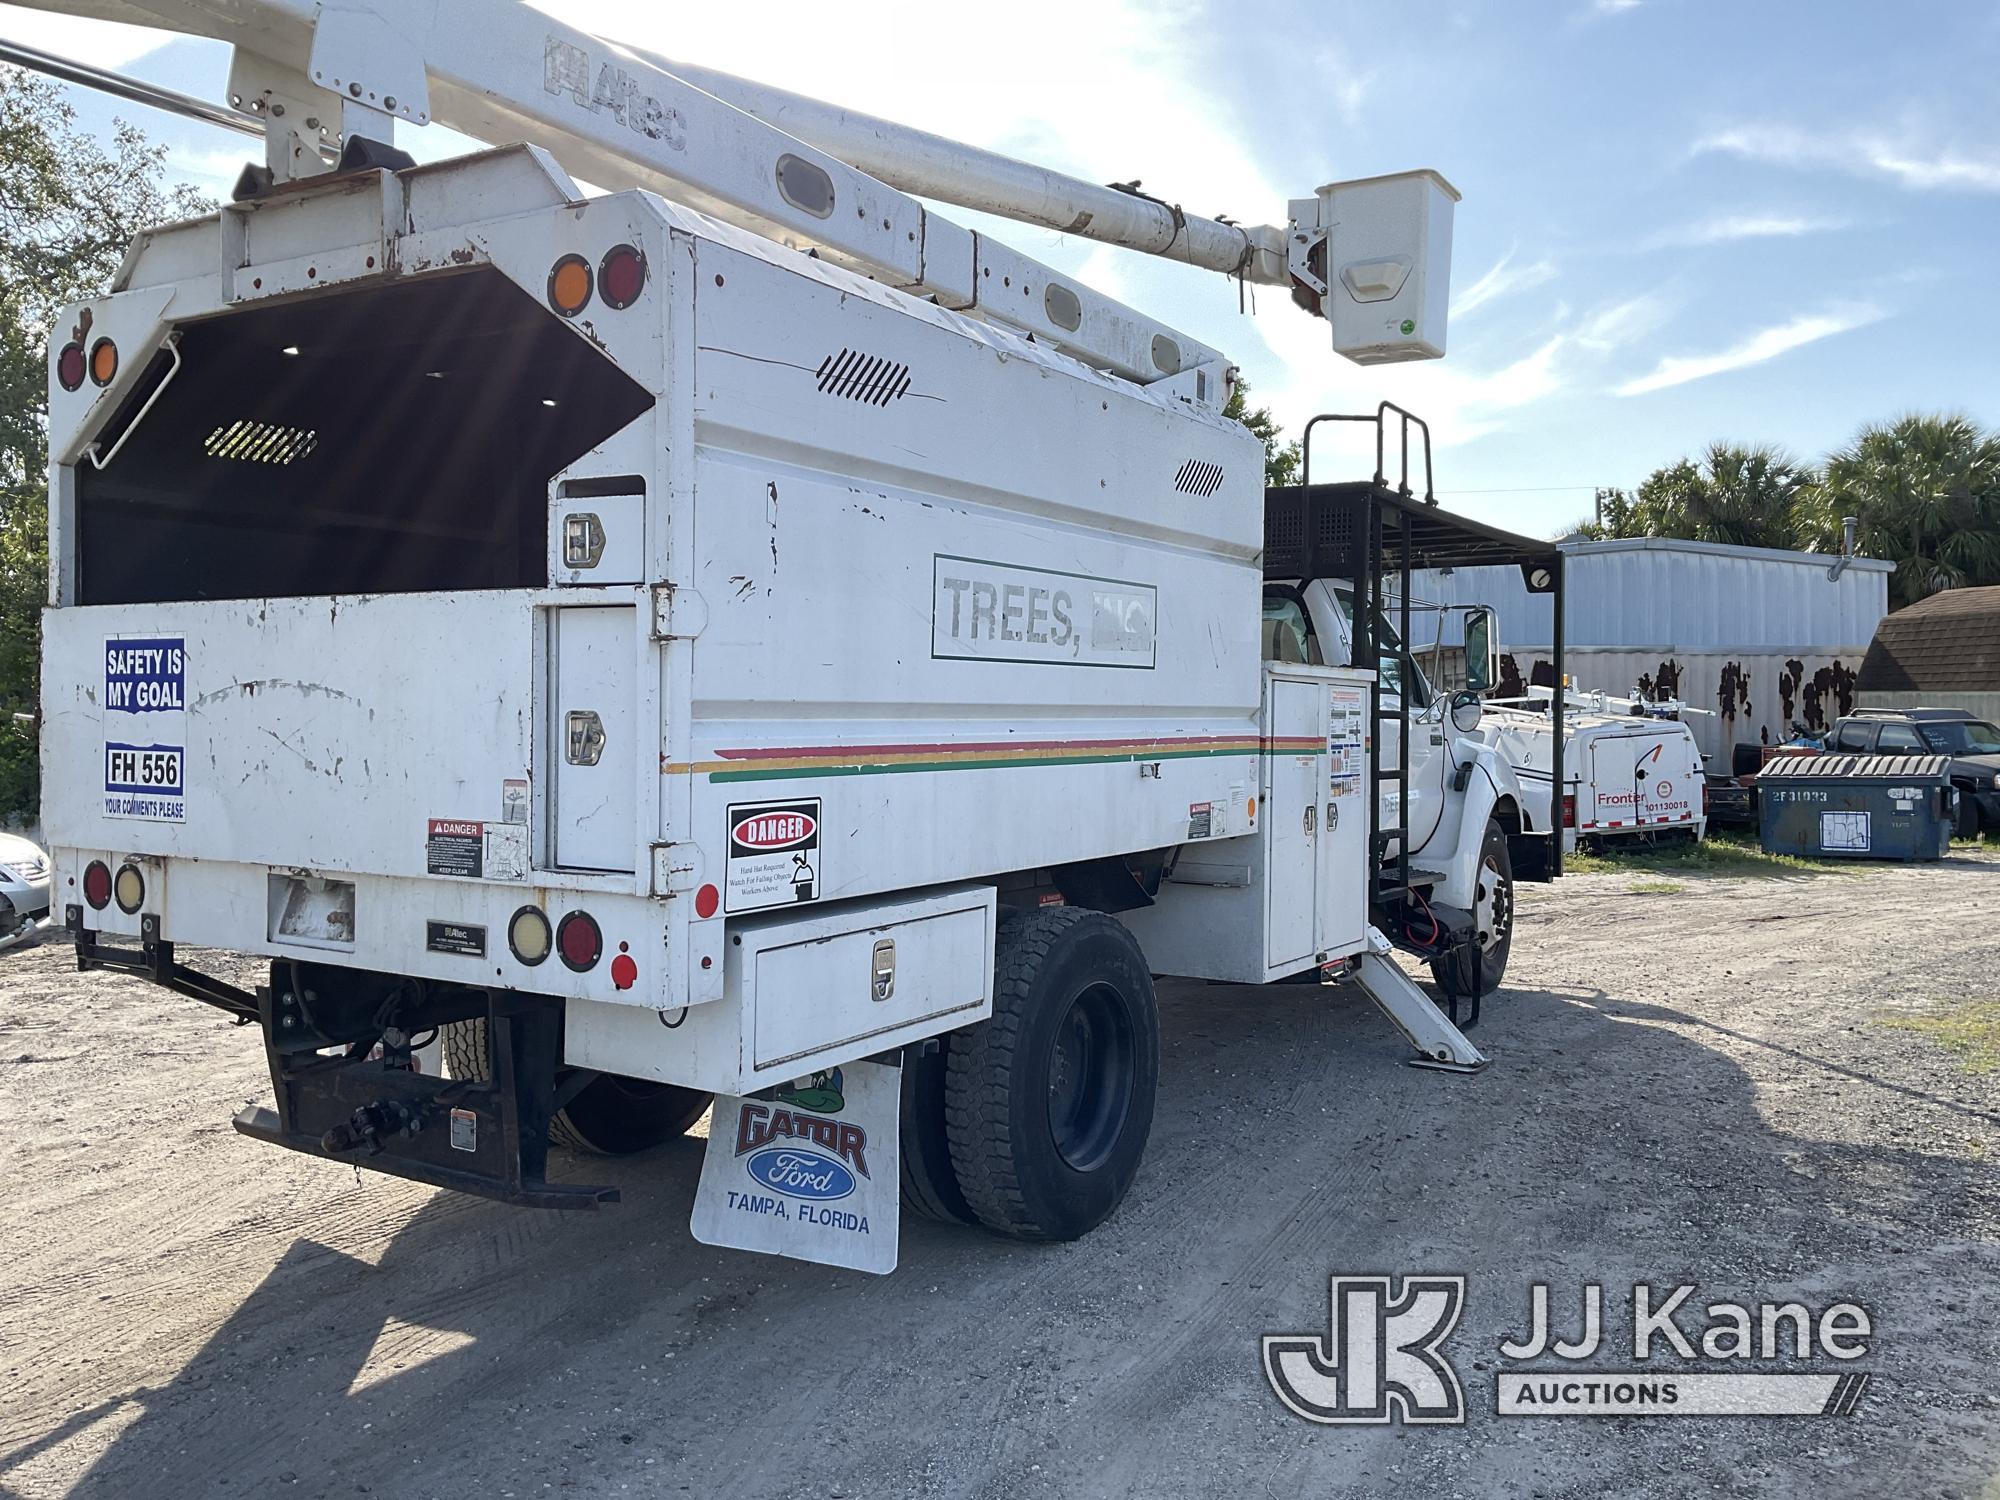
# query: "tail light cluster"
73,365
1569,809
577,939
127,887
617,281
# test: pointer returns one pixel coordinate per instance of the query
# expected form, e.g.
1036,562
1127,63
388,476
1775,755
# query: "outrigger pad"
809,1169
486,1137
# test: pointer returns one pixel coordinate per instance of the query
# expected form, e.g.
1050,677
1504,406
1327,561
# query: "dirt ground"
1688,1085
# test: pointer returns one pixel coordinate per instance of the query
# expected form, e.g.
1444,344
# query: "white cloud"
103,44
1722,229
1619,323
1900,157
1613,7
1504,278
1763,345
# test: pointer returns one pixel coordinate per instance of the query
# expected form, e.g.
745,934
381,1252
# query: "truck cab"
1463,804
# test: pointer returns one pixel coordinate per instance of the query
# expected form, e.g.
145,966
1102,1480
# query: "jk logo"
1379,1360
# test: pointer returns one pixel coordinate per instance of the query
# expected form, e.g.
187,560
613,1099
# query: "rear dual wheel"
610,1116
1033,1123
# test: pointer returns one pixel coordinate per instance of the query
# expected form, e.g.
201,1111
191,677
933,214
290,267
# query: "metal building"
1755,636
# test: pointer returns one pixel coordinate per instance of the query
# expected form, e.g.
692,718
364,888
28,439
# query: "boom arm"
316,72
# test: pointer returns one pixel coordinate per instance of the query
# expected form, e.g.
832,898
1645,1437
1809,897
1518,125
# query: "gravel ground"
1689,1085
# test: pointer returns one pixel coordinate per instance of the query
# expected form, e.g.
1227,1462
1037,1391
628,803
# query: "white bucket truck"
678,656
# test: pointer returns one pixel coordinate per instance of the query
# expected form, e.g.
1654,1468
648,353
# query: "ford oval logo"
800,1174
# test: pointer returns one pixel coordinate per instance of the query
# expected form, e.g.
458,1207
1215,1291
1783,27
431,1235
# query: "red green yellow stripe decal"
777,763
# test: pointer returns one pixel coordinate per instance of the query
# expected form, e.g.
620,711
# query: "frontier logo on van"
770,832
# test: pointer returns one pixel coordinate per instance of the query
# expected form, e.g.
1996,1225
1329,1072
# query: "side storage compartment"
804,991
593,696
1293,894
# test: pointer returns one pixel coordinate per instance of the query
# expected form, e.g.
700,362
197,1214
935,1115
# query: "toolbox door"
1291,816
593,736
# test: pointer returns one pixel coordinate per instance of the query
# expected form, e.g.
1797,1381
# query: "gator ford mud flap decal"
808,1169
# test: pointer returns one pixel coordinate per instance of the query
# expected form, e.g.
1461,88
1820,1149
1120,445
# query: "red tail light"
97,884
621,276
579,941
1569,809
70,366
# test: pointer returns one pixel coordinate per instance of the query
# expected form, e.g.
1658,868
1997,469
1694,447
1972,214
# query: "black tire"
1048,1105
929,1182
1459,974
612,1116
1967,825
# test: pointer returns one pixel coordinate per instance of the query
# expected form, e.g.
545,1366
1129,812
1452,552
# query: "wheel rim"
1493,908
1090,1077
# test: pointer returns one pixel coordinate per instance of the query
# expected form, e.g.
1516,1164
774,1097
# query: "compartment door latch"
584,739
883,967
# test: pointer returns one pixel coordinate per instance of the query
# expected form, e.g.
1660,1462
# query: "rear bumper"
489,1137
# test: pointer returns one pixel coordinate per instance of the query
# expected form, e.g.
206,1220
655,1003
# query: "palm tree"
1745,496
1926,492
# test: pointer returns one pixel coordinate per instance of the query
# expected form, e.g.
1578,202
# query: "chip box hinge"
679,613
674,868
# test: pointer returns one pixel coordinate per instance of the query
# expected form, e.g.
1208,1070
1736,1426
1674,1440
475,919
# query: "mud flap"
808,1169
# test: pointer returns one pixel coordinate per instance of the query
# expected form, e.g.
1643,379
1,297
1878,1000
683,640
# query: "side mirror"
1482,649
1465,711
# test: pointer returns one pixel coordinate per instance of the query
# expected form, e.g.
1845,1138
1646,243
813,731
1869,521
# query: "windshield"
1962,737
1394,664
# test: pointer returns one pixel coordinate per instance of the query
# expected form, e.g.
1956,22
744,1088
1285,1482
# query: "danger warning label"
455,847
773,854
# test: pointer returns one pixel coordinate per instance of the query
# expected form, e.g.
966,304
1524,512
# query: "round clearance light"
130,889
569,285
530,936
70,366
103,362
97,884
579,941
706,900
621,276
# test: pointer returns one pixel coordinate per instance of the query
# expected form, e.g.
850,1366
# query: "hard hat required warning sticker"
773,854
145,728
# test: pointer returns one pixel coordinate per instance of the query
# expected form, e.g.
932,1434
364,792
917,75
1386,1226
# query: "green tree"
1281,459
68,207
1925,491
1743,496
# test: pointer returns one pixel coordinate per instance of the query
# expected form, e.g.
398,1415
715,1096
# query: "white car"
24,888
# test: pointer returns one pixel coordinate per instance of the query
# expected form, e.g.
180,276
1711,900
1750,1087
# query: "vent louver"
1197,477
863,377
260,443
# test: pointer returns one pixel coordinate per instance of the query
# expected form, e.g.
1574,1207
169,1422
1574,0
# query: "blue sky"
1682,221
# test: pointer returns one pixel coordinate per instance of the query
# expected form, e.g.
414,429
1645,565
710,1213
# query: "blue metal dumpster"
1856,806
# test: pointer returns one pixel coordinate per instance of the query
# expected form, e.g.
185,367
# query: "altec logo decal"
769,832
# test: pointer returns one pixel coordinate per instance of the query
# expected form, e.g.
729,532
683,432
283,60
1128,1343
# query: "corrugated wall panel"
1685,597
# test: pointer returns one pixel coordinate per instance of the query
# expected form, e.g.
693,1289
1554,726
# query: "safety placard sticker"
1845,832
1347,738
808,1170
145,728
455,846
773,854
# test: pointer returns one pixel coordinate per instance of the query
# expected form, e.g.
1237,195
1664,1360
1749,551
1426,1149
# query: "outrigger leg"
1439,1043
